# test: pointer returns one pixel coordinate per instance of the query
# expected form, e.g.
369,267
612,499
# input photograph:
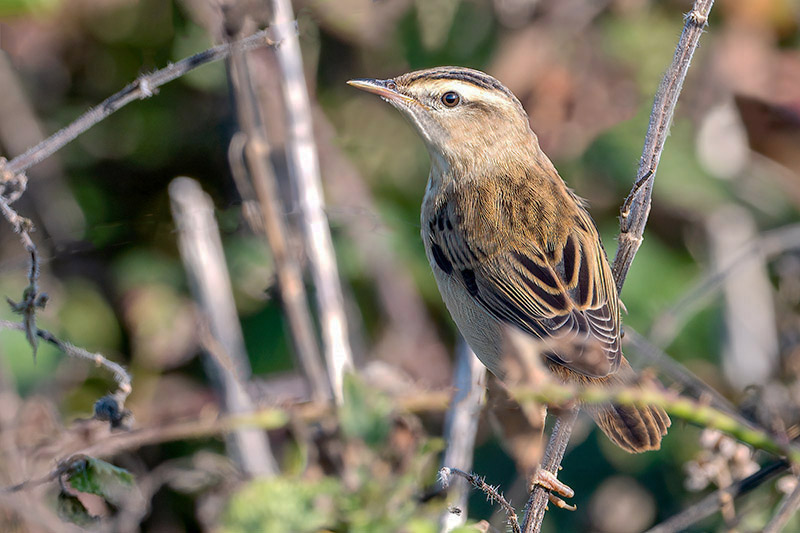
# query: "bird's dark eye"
451,99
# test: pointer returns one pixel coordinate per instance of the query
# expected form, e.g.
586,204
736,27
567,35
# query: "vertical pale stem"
201,250
304,170
461,425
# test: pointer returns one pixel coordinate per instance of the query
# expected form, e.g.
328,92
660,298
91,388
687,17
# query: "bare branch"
31,300
13,185
556,447
304,170
144,87
636,209
121,376
20,129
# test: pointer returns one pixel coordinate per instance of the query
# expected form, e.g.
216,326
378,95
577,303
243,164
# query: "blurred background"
585,70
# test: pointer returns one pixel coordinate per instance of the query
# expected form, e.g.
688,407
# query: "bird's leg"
549,481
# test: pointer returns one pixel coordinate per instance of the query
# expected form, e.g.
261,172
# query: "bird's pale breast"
481,331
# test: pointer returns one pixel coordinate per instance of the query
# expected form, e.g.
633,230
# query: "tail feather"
632,428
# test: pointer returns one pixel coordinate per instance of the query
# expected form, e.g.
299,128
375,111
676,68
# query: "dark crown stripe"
473,77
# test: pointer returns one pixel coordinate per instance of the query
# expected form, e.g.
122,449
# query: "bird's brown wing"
566,297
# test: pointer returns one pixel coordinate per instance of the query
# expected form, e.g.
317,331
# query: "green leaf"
365,413
94,476
70,509
279,505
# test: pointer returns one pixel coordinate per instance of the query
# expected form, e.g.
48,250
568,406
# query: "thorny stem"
31,298
634,218
636,209
492,493
556,447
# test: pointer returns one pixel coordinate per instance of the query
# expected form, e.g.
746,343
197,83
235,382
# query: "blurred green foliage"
381,490
92,476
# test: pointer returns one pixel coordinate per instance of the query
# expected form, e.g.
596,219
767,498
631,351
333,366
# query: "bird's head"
463,115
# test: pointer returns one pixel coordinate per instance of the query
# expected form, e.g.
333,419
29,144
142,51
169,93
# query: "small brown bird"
510,244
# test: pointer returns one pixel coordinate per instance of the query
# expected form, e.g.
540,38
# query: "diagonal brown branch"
633,218
710,504
144,87
556,446
636,209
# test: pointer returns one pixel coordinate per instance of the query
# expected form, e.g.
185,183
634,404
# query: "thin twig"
31,300
121,376
144,87
268,418
304,170
20,129
787,509
636,209
711,503
492,494
290,279
634,219
461,425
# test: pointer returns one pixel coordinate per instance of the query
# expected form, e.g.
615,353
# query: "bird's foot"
547,480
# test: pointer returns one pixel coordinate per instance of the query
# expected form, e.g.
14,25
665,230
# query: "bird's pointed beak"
386,89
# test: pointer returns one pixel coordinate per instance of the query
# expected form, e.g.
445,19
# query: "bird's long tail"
634,429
